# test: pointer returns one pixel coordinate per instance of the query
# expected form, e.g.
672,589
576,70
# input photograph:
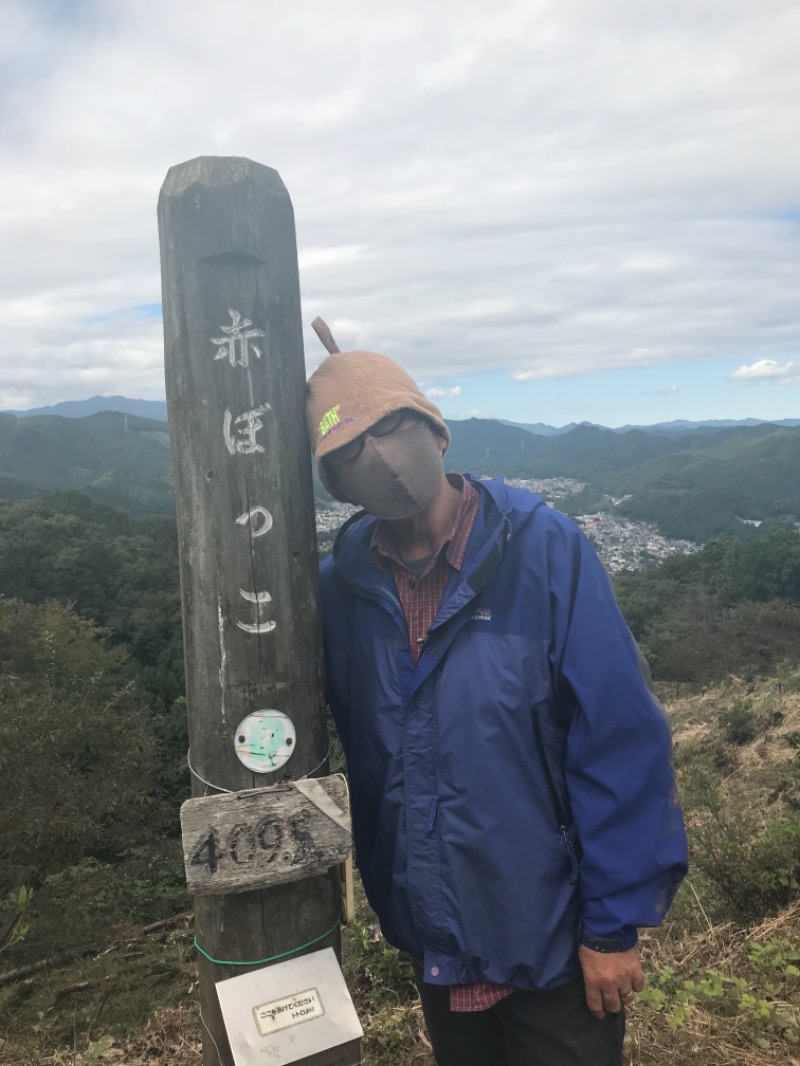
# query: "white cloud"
768,370
534,188
308,258
670,390
444,394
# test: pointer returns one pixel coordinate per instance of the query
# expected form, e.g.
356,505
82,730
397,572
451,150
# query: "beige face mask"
394,476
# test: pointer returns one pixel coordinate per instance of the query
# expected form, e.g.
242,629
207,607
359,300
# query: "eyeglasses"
382,428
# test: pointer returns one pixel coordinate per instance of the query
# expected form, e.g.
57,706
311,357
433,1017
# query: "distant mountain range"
691,480
678,426
157,410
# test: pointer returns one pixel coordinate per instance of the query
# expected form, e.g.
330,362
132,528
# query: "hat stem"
323,332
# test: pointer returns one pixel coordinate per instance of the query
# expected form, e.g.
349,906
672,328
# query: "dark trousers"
551,1028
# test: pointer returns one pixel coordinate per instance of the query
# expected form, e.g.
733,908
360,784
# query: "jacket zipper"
376,594
558,808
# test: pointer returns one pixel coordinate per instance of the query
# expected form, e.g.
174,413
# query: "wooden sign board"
265,836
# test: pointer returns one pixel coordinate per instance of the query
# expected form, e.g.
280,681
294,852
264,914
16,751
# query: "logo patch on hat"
332,421
329,420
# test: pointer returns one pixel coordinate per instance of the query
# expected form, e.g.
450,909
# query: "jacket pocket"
559,813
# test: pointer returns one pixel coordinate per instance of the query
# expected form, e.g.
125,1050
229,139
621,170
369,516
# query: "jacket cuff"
627,939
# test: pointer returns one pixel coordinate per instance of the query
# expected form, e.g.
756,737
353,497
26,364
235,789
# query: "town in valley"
621,543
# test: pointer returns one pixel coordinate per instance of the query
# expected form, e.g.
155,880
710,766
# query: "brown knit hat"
351,391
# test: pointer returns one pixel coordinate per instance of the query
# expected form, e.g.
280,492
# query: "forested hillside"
692,485
120,459
121,574
731,609
587,453
705,493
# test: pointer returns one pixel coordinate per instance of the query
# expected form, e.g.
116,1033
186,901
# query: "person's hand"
611,979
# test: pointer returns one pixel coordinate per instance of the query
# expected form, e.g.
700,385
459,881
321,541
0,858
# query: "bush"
751,863
740,723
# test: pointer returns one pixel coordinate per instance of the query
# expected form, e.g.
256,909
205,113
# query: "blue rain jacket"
513,789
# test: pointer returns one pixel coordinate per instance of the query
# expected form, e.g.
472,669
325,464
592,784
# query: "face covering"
394,476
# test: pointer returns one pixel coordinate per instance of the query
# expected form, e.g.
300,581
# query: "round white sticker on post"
265,741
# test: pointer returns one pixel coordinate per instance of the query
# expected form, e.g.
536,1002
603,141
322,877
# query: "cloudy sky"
546,211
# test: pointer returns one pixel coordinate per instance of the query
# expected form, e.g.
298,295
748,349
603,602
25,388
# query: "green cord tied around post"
272,958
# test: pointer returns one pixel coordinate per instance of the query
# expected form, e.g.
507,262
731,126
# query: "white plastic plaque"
291,1010
294,1010
265,741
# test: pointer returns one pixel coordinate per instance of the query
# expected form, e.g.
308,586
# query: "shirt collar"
383,546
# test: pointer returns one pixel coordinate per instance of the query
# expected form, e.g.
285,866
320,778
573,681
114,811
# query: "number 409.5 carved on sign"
262,844
262,837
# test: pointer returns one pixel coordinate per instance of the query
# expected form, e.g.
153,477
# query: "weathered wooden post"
236,388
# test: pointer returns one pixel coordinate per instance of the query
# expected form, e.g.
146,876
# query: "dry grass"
696,717
394,1032
693,945
171,1038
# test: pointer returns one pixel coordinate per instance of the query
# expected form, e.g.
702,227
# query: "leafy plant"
98,1049
754,1004
383,973
16,927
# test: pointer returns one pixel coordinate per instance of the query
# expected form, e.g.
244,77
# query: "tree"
76,749
772,567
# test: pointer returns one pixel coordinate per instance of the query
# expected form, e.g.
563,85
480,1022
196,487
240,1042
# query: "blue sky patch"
147,312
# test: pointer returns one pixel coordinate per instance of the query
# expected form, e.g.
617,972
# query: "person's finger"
638,982
594,1000
612,1001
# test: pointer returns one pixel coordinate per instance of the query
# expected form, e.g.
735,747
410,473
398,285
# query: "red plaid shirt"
420,595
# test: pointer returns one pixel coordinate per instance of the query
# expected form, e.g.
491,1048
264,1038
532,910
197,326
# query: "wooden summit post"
236,389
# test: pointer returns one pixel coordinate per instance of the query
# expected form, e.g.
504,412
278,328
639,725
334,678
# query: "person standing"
514,809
